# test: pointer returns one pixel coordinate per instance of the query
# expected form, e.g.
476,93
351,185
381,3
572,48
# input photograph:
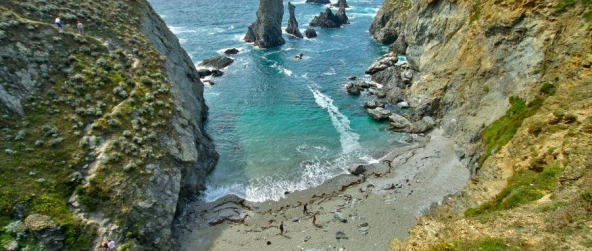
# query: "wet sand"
352,212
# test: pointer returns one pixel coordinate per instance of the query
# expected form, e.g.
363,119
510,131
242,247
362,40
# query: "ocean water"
282,124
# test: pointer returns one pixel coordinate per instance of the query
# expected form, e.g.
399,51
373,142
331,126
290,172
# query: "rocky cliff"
102,131
482,68
266,31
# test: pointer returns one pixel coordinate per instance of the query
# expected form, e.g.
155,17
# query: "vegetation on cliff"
93,109
515,96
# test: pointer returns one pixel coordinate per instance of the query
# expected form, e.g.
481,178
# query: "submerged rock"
231,51
266,31
292,23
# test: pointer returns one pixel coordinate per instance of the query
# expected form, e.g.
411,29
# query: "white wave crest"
178,30
347,137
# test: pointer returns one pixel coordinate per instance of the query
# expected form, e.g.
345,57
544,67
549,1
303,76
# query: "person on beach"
282,228
80,28
305,210
59,24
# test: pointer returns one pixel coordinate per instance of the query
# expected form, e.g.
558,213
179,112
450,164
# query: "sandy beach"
350,212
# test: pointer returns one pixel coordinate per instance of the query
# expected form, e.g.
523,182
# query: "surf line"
348,138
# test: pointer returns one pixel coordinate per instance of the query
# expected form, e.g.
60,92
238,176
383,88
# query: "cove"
282,124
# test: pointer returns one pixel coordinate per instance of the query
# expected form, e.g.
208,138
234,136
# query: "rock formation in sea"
266,31
310,33
471,66
318,1
216,62
340,3
292,23
113,124
327,19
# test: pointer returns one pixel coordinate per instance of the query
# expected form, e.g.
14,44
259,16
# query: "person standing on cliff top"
305,210
111,245
58,23
80,28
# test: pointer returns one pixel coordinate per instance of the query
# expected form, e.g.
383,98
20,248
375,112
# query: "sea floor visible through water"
281,124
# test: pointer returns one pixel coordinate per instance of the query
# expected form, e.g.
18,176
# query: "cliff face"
471,57
102,131
266,31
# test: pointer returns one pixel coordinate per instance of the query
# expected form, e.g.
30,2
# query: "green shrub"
548,89
563,5
523,187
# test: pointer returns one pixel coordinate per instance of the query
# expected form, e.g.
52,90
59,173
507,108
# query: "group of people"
60,26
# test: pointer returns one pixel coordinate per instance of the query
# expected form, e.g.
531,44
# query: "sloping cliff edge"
110,122
501,77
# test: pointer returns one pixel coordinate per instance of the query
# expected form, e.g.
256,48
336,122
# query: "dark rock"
399,46
352,78
310,33
217,73
204,72
292,23
379,113
340,235
318,1
352,89
340,3
381,94
357,169
266,31
231,51
328,20
217,62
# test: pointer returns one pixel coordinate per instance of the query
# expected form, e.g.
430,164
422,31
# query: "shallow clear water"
282,124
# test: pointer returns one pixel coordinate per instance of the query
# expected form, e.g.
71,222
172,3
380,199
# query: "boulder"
371,104
399,123
403,105
352,89
231,51
217,73
266,31
381,94
46,231
357,169
340,235
406,74
382,63
343,19
340,217
217,62
292,23
327,20
396,95
379,113
352,78
310,33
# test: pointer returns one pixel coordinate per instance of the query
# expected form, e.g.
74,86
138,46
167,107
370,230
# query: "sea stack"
266,31
339,3
292,23
329,20
341,13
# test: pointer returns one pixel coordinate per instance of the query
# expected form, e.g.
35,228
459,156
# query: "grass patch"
524,187
502,130
563,5
476,14
486,244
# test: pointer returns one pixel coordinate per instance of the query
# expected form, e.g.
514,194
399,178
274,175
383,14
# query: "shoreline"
351,212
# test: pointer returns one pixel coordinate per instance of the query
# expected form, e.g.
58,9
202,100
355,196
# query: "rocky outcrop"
266,31
292,23
329,20
399,46
217,62
318,1
310,33
341,16
231,51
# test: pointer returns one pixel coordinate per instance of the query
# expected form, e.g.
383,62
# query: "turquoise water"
282,124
